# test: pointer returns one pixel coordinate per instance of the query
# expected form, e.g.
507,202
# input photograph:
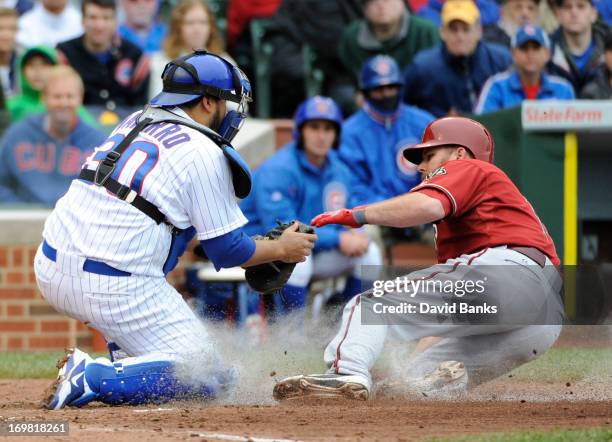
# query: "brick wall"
27,322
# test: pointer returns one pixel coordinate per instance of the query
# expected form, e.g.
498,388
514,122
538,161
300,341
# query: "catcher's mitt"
272,276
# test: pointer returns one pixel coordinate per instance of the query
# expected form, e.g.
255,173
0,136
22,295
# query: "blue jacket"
505,90
37,168
288,187
605,10
372,152
149,42
489,11
438,82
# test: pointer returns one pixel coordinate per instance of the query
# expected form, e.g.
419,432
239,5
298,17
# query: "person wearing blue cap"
303,178
527,79
373,138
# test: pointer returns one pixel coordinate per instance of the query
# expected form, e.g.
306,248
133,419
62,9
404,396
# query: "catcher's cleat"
322,386
70,387
447,381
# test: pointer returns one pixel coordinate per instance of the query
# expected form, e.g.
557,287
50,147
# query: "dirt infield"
502,406
568,388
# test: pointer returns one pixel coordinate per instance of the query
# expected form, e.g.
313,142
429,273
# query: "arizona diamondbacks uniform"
489,234
186,175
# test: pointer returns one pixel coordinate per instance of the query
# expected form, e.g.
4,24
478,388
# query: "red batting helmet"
454,131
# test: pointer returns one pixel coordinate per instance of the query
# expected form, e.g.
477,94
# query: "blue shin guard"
139,383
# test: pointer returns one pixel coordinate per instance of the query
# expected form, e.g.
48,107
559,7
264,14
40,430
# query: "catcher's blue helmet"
378,71
202,73
317,108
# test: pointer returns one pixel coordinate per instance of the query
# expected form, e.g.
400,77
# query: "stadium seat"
262,59
313,76
262,56
219,8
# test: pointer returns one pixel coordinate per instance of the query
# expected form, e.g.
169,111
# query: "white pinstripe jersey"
176,168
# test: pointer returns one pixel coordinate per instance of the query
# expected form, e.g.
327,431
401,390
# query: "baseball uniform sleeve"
440,196
277,198
208,194
458,184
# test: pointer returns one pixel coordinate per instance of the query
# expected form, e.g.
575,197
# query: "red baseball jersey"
483,209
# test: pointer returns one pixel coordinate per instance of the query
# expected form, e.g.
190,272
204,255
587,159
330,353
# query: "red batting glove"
343,217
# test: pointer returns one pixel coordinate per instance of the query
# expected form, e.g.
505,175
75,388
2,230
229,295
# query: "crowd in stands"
440,57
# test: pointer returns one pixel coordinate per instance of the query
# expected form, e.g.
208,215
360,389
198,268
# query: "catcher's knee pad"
139,383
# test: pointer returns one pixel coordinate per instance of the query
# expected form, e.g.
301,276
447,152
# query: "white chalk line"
149,410
217,436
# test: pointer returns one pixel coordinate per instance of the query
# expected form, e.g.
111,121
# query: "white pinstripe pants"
143,315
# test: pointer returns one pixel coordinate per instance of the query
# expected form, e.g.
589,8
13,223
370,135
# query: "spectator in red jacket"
239,15
241,12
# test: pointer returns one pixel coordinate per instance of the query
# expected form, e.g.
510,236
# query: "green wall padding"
534,162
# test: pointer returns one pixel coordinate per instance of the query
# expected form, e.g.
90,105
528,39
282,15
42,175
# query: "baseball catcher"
166,174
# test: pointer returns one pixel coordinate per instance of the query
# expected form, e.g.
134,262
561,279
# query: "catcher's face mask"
237,106
203,73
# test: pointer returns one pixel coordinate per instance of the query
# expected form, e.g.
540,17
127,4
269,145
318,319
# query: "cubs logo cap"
529,33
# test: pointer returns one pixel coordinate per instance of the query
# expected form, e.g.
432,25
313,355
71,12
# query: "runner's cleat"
322,386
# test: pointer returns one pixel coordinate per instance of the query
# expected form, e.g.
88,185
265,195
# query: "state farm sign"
555,115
